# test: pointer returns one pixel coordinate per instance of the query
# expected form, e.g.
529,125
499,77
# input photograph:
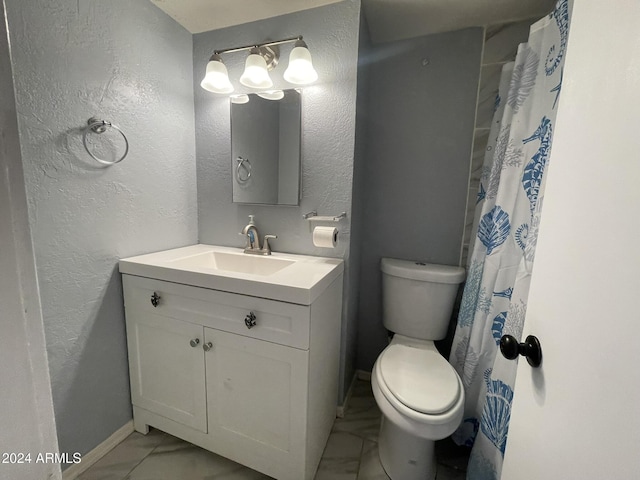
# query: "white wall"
26,415
577,416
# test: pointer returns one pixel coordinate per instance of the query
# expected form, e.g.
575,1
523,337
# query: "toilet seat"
419,378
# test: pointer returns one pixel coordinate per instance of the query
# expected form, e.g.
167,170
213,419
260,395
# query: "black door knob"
530,348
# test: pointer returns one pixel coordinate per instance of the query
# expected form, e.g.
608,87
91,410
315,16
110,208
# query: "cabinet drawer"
278,322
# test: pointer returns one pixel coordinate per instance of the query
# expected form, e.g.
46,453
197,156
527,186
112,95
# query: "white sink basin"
281,276
234,262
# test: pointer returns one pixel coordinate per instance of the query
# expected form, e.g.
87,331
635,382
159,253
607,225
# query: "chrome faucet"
253,239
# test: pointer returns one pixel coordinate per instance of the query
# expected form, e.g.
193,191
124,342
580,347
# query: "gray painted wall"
328,119
128,62
359,169
418,150
26,415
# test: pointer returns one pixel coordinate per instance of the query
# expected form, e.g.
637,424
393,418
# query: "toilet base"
404,456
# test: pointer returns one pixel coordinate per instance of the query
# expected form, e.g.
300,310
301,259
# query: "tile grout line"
360,459
126,477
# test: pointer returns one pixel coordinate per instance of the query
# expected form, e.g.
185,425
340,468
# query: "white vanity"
236,353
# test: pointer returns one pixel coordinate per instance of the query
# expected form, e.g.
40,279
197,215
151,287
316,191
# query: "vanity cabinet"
249,378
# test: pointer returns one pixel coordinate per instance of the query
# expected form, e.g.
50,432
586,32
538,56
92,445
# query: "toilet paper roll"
325,237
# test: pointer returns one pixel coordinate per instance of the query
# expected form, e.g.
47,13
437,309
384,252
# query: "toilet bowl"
421,399
419,393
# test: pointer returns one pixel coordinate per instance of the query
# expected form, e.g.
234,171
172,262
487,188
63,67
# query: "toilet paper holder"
314,217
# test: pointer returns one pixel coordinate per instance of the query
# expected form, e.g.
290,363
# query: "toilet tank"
418,298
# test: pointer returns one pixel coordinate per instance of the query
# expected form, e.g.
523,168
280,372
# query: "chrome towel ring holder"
243,163
95,125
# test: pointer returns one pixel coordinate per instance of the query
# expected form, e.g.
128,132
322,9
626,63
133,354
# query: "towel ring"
100,126
246,164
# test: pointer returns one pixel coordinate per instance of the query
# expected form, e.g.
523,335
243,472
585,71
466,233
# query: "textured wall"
27,409
419,137
328,119
130,63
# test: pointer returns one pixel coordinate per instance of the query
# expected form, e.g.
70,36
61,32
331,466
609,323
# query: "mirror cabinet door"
265,148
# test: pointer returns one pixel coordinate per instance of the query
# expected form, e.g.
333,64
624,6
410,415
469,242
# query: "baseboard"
90,458
363,375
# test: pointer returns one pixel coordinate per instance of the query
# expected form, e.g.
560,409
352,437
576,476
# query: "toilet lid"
420,378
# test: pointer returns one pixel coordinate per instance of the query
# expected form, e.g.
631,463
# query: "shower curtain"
509,203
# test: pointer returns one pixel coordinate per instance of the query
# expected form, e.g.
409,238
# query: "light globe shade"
216,79
272,95
300,70
240,99
255,73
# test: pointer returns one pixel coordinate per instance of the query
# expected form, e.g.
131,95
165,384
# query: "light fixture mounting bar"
258,45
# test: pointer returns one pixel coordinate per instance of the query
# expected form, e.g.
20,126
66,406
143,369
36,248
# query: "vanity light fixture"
262,58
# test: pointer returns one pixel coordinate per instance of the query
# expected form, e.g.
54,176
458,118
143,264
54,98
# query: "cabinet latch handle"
207,346
250,320
195,342
155,299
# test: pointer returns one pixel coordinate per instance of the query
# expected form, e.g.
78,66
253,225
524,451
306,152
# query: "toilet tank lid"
426,272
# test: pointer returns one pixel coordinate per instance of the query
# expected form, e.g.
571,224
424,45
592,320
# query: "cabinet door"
167,372
257,401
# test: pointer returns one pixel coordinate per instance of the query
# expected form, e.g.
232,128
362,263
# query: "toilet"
418,392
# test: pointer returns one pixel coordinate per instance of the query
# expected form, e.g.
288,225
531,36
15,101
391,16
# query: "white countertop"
301,282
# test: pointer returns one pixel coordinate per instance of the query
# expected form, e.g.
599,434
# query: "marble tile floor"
351,453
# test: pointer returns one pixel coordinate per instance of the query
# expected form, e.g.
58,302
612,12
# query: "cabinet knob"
207,346
250,320
155,299
194,343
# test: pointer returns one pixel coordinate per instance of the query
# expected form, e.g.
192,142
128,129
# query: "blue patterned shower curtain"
508,210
